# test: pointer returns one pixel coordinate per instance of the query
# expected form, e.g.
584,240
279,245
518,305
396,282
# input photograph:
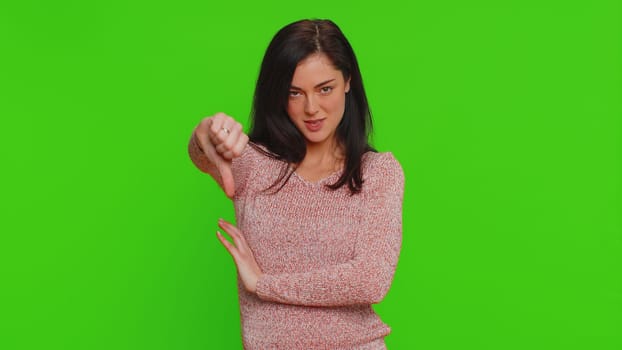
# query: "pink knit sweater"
326,255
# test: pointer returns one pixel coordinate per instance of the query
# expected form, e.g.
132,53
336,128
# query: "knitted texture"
326,255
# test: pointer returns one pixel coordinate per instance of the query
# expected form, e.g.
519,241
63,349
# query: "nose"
311,106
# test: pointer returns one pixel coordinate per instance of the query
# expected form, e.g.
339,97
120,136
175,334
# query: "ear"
347,87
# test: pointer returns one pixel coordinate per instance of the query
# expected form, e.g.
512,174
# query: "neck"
326,154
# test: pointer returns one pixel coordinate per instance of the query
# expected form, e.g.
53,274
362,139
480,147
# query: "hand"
247,266
221,139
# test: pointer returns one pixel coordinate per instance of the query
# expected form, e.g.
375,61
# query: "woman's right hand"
221,139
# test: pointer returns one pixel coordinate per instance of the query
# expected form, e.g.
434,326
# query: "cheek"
337,103
293,109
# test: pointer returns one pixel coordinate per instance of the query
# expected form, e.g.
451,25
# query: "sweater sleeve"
241,167
366,278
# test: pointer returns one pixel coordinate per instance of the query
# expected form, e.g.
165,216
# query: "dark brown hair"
270,124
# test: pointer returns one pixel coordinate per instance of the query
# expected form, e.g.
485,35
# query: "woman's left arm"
367,277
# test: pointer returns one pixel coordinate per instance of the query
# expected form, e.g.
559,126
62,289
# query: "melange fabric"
326,255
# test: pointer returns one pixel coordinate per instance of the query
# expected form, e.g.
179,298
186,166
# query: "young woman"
318,211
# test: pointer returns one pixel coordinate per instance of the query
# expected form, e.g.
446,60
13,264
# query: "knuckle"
213,129
229,142
220,138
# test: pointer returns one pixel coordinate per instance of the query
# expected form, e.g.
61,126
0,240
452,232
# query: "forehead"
314,69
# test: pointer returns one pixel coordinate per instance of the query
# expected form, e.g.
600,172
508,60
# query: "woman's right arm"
213,144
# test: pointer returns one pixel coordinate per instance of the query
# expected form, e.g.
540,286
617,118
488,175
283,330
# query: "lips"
314,125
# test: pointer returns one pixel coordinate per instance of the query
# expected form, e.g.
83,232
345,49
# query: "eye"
293,93
326,89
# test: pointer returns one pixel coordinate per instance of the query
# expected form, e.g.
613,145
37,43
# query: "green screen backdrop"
505,115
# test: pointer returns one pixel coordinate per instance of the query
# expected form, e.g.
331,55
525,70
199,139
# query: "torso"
303,227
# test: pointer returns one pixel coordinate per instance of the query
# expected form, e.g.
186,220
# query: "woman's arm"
213,145
367,277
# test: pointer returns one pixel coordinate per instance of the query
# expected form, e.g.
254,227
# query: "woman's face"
317,99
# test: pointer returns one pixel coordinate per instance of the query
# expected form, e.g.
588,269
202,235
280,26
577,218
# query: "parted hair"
271,126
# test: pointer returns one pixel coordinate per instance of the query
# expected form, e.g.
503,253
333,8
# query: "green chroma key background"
505,115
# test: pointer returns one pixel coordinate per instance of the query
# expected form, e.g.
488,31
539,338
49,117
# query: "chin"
315,138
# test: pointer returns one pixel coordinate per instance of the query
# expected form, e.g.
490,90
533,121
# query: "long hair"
271,126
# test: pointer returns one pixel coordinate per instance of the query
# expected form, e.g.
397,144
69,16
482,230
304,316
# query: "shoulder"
383,179
382,173
379,164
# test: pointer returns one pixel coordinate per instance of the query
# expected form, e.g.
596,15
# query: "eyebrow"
316,86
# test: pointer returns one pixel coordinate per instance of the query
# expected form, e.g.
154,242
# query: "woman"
318,211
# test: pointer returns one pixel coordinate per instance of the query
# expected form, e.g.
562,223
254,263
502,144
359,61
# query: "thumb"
224,168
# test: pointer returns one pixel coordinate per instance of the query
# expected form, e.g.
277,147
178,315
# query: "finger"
201,133
228,155
238,148
232,231
202,140
228,185
211,153
230,247
236,235
216,124
227,226
234,134
224,133
223,151
213,123
221,128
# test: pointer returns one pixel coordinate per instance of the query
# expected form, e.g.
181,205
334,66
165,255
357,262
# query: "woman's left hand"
247,266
